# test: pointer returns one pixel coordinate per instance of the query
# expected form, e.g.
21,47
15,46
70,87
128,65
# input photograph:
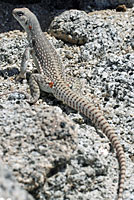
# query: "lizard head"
26,19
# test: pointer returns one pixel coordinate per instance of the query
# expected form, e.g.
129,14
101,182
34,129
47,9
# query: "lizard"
50,79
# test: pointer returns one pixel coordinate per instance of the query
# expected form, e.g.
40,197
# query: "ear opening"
26,22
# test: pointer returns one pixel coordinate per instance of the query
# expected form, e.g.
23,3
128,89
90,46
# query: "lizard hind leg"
34,89
37,83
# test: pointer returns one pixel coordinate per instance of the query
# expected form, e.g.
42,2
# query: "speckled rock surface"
104,67
9,188
71,26
36,142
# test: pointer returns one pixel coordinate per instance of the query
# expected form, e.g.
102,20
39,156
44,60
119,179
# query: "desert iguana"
50,79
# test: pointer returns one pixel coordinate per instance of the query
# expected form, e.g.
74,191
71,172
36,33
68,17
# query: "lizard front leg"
24,63
36,82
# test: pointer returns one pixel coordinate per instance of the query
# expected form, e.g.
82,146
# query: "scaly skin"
51,79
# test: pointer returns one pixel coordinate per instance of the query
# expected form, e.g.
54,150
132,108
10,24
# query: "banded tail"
65,94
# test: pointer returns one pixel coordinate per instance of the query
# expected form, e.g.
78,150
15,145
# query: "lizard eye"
20,13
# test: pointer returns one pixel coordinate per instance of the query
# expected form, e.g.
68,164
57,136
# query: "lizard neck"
33,28
33,32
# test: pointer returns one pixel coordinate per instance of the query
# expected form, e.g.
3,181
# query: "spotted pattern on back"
50,66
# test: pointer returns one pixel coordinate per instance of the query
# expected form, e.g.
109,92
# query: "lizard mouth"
14,12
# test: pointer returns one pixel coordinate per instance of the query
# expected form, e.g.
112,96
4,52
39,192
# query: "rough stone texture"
46,10
9,188
104,66
71,26
36,143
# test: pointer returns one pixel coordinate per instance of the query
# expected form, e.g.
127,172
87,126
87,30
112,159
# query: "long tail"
65,94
